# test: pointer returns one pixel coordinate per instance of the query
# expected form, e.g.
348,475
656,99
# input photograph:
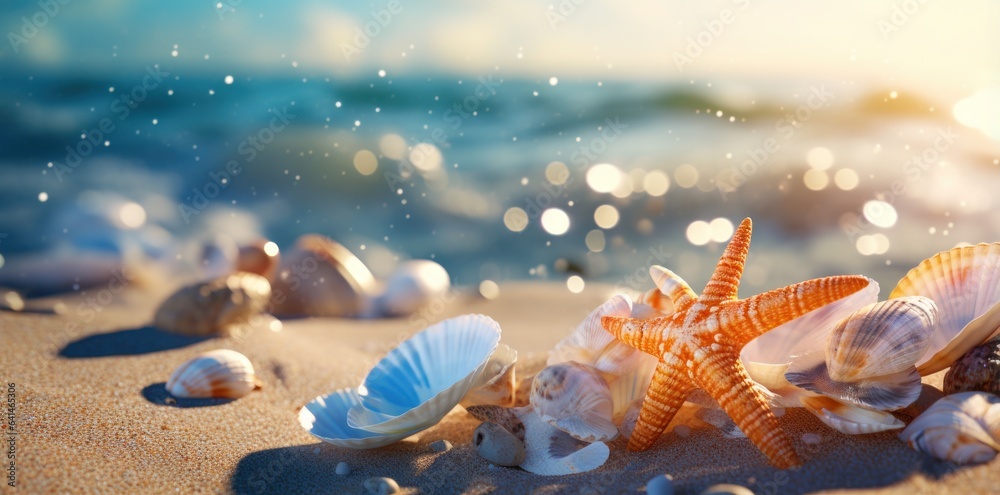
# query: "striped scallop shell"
965,284
870,355
420,381
221,373
961,428
576,399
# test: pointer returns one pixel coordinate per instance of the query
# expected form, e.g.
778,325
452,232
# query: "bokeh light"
604,177
606,216
515,219
555,221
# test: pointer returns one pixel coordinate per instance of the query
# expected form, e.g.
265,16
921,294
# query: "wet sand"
92,415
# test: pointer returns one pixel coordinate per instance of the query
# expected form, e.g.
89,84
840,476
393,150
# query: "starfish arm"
725,379
672,286
644,335
725,282
752,317
664,398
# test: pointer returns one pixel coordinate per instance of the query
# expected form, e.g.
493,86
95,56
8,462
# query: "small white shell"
553,452
319,277
414,284
965,284
870,355
963,428
495,385
223,305
420,381
325,418
221,373
574,398
848,418
498,445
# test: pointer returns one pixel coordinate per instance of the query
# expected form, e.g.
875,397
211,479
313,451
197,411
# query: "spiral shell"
965,284
223,305
574,398
221,373
977,370
963,428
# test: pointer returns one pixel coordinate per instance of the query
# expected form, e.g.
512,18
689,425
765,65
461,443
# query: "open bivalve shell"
574,398
965,284
961,428
870,355
325,418
419,382
221,374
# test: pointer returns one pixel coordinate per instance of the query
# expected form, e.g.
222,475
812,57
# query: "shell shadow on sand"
157,394
129,342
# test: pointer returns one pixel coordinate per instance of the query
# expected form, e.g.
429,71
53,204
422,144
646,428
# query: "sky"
936,48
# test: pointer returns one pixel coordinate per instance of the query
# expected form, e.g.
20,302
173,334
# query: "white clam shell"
325,418
963,428
412,285
848,418
553,452
320,277
420,381
576,399
965,284
221,373
495,385
870,355
223,305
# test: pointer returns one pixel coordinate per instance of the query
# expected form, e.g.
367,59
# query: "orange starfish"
699,346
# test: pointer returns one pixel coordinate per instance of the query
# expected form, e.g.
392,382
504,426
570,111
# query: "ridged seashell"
965,284
223,305
381,486
962,428
325,418
870,355
260,257
413,285
553,452
419,382
574,398
977,370
319,277
848,418
495,385
221,373
498,445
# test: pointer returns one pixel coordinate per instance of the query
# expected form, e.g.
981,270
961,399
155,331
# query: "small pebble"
727,489
441,446
11,300
343,469
381,486
682,431
497,445
660,485
811,438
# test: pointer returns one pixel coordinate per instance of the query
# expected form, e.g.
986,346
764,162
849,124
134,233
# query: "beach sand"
92,415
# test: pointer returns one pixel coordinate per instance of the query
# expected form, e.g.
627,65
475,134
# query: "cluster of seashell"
414,386
320,277
221,373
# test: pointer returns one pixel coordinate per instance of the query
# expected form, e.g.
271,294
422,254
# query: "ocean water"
837,178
